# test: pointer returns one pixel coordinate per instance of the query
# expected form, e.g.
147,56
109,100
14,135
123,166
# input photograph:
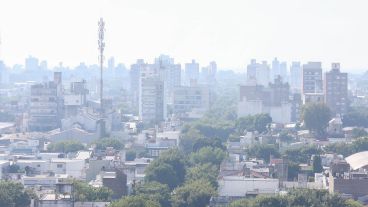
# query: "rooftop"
358,160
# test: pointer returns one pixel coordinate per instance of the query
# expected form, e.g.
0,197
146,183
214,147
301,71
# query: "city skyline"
64,31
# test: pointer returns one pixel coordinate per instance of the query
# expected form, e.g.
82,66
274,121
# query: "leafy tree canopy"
208,155
316,117
263,151
130,155
299,198
356,117
205,171
193,194
66,146
155,191
169,168
13,195
85,192
358,145
103,143
135,201
258,122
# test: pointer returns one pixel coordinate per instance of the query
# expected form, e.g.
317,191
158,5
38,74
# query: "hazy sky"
230,32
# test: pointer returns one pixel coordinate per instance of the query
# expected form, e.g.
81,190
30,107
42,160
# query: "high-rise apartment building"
32,64
258,72
169,72
191,72
273,99
296,77
45,105
75,98
336,90
278,69
135,70
208,73
151,96
312,78
187,98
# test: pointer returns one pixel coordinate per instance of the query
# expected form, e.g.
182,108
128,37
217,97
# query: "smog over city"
168,103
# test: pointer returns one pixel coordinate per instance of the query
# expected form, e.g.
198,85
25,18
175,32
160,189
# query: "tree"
193,194
317,164
261,122
85,192
340,149
168,169
208,155
299,198
356,117
219,129
245,123
262,201
285,137
263,151
188,139
258,122
135,201
14,168
359,132
302,154
155,191
130,155
358,145
66,146
13,195
316,118
205,171
352,203
162,173
293,170
103,143
208,142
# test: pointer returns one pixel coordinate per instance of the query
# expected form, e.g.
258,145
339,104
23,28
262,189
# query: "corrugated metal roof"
358,160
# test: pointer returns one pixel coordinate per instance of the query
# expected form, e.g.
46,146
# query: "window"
59,165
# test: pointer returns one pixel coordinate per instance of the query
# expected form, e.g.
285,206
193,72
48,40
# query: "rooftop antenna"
101,47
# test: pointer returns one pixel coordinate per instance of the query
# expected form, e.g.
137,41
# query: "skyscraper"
32,64
296,77
258,72
336,89
312,78
135,70
278,69
45,105
111,64
151,96
191,72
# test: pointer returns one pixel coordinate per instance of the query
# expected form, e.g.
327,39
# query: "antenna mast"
101,47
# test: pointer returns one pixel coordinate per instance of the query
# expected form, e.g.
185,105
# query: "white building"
37,166
151,96
260,72
74,168
42,180
296,77
278,69
186,98
191,72
240,186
